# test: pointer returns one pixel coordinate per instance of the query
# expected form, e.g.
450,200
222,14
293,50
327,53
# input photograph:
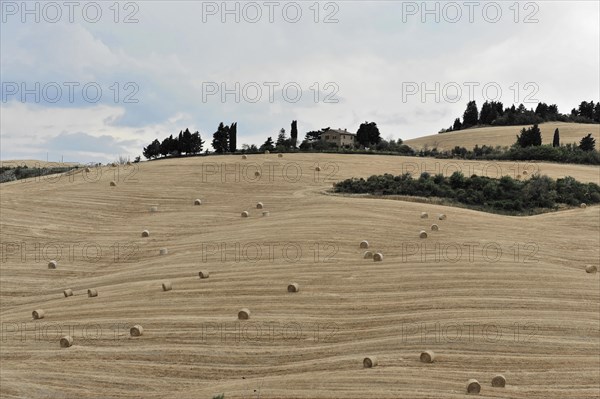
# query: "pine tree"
588,143
282,139
268,145
196,143
180,148
471,115
220,139
457,125
556,139
530,137
153,150
185,142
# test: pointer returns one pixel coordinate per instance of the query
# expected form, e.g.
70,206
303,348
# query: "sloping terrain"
488,293
504,136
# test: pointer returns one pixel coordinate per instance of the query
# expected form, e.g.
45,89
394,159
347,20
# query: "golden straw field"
488,294
504,136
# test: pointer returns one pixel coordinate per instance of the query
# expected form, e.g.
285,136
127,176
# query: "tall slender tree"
556,139
233,137
294,133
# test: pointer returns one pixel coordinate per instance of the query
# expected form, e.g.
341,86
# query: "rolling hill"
504,136
489,294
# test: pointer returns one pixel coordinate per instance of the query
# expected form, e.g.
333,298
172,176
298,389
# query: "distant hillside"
33,163
503,136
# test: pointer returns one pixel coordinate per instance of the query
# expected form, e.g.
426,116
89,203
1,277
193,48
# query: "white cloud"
368,54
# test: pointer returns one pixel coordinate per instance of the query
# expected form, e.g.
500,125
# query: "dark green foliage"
233,137
471,115
283,143
564,154
268,145
368,134
294,134
313,136
529,137
493,114
185,142
457,125
9,173
153,150
588,143
500,195
220,141
556,139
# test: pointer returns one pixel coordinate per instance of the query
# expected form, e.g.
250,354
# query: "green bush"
505,194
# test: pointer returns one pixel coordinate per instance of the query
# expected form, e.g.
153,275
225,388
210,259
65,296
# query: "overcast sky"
342,63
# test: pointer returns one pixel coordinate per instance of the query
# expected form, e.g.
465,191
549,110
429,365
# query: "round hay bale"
166,286
163,251
423,234
583,205
136,330
364,244
499,381
267,152
518,177
203,274
92,292
434,227
244,156
52,264
524,173
318,169
244,314
153,209
424,215
280,155
293,287
369,362
197,201
427,357
38,314
259,205
245,214
368,255
266,213
473,386
114,164
87,170
591,269
145,233
257,174
66,341
442,216
68,292
378,257
113,184
129,163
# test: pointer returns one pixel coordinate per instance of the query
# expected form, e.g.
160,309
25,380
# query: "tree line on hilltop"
493,114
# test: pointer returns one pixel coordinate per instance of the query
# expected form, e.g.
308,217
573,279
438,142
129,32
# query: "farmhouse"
339,137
